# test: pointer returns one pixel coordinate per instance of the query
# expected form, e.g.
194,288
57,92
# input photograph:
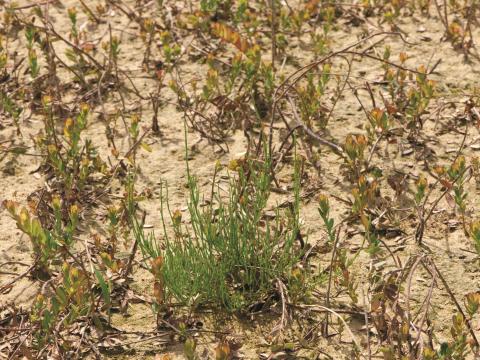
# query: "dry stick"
283,320
370,92
69,68
51,65
196,112
372,46
339,95
122,98
192,122
396,260
445,9
128,268
153,337
340,311
132,15
19,277
298,123
322,309
305,69
462,145
409,287
367,325
214,57
13,263
91,13
89,256
372,151
274,38
445,284
290,133
82,331
334,253
12,355
134,90
31,5
302,71
468,29
68,42
99,85
443,17
355,93
424,316
141,7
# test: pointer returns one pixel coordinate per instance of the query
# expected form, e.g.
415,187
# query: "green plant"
223,351
340,262
475,234
312,109
210,5
370,235
72,163
12,108
419,97
69,302
321,40
30,34
409,101
214,108
324,211
189,349
229,255
457,176
363,196
422,185
346,279
458,348
73,295
47,244
170,49
73,52
355,146
379,121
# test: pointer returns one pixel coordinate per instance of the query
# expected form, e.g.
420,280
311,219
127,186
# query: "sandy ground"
451,250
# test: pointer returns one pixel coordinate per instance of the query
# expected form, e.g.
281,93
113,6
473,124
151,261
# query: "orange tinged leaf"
157,264
222,351
446,184
230,36
158,291
162,357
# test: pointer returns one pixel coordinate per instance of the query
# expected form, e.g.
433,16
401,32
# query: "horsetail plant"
228,255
